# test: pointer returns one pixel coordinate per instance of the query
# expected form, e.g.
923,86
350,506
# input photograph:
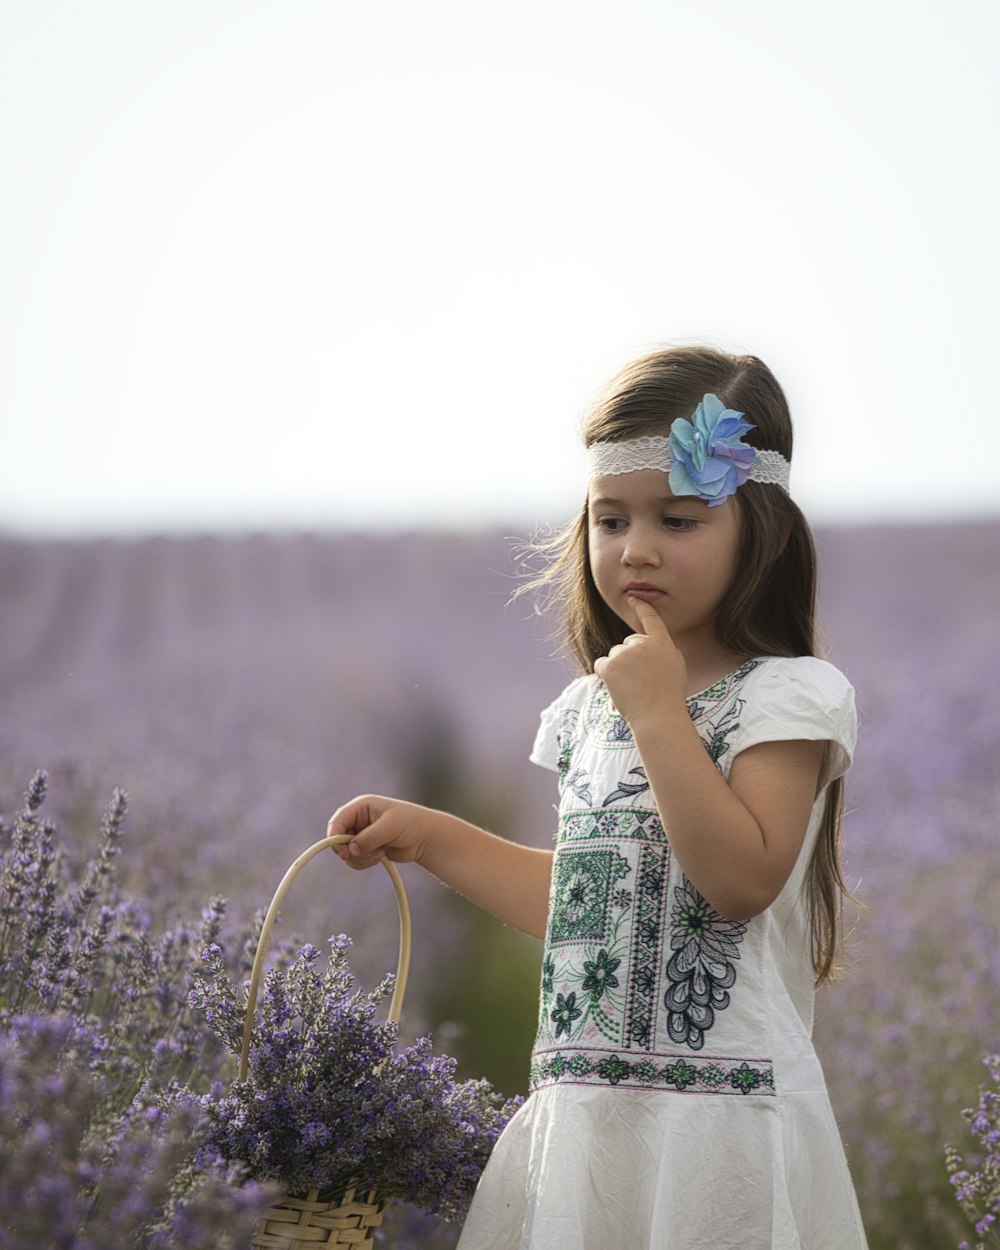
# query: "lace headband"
705,456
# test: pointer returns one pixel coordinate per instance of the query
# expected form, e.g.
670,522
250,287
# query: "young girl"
693,897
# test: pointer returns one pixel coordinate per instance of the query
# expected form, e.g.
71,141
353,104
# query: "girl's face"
677,553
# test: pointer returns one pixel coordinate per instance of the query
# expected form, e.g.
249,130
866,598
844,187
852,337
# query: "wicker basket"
322,1220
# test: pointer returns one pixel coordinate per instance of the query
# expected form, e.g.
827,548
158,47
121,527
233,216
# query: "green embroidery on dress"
645,1072
599,974
713,1076
570,1015
613,1070
582,886
631,823
589,994
604,722
720,691
608,1026
565,1013
669,1073
680,1074
746,1079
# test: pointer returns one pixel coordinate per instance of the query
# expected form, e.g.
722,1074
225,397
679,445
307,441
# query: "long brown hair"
770,608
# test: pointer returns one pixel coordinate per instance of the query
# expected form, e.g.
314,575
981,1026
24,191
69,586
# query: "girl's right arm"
509,881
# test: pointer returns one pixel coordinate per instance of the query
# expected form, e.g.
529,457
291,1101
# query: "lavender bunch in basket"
330,1099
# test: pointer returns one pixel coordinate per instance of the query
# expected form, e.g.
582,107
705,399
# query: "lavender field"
240,688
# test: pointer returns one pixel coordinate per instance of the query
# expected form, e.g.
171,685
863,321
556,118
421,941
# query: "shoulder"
559,718
799,682
800,697
575,695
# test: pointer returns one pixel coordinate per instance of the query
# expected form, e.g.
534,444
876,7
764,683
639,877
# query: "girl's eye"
679,523
610,524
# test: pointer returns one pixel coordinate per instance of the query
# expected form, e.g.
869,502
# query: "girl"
693,897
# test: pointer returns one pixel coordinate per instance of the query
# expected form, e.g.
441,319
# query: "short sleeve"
548,745
801,698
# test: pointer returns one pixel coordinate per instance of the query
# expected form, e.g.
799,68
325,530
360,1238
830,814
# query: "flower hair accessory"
705,457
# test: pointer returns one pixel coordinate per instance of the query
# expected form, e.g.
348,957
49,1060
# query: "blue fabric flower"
710,460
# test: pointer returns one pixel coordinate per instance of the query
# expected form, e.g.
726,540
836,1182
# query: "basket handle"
402,967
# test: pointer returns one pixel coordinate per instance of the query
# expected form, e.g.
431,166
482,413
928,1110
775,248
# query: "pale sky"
319,264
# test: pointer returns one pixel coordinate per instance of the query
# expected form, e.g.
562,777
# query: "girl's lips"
648,594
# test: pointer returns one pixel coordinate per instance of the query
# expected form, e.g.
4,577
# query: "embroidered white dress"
676,1100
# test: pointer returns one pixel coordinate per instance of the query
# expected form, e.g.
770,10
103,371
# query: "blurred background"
301,308
363,265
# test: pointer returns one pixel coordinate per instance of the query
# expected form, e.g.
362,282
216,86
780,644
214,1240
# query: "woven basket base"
310,1224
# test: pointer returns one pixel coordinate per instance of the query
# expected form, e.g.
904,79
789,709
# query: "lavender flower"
239,687
97,1133
977,1181
66,1183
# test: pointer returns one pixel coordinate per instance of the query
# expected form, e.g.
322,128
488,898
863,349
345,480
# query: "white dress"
676,1100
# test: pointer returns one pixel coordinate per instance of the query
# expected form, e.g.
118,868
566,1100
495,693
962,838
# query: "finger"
355,815
365,848
388,836
650,621
367,845
362,862
343,819
352,820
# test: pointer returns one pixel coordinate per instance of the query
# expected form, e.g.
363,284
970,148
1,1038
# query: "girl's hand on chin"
646,672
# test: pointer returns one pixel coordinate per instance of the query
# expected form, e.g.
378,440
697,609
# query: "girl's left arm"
736,840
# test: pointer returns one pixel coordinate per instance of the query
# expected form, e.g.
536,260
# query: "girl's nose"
640,547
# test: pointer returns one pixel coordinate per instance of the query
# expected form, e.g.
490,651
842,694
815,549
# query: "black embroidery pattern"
628,789
640,1009
566,740
701,707
701,970
579,782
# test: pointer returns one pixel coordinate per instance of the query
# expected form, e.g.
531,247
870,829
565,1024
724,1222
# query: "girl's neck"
708,663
